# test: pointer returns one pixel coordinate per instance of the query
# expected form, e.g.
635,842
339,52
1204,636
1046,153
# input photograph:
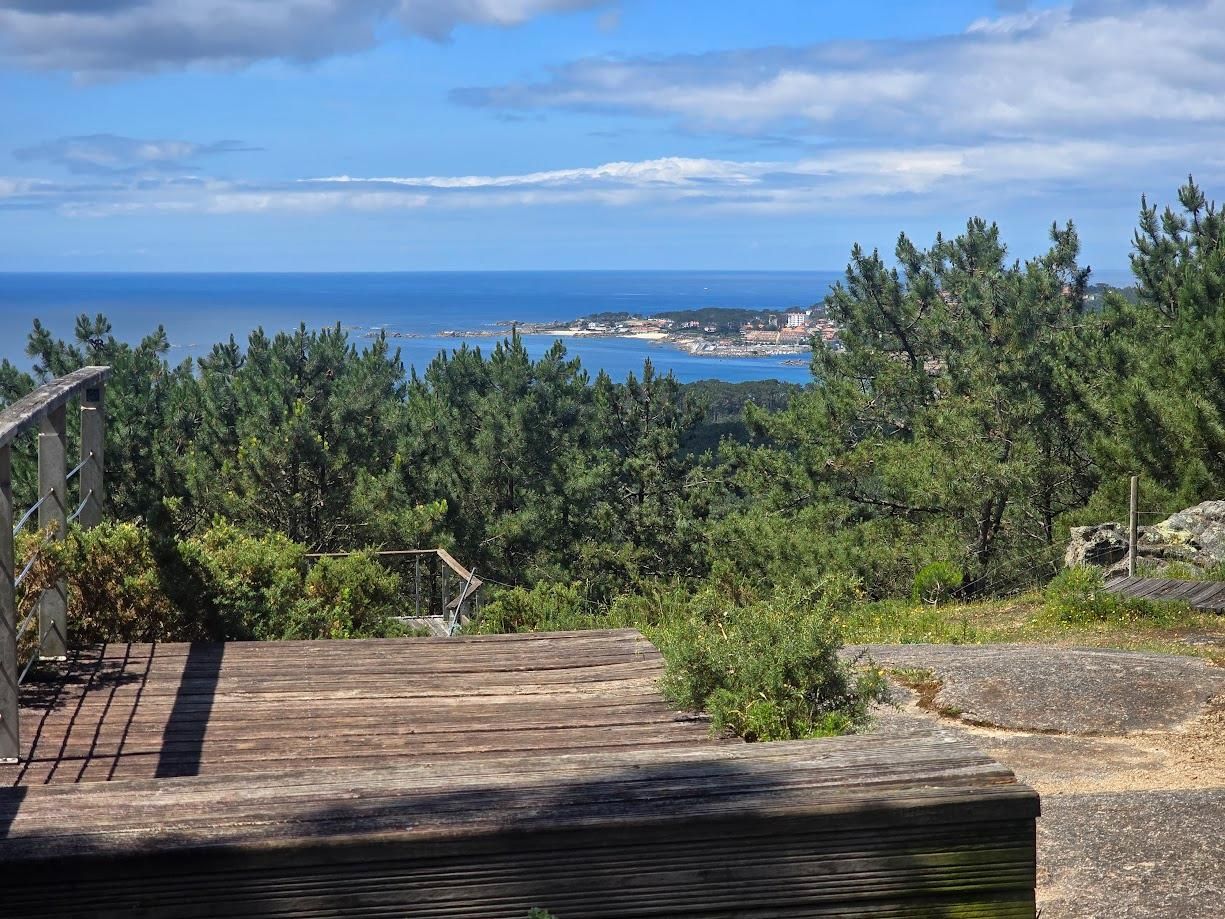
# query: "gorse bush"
769,669
351,596
936,583
250,586
116,589
546,607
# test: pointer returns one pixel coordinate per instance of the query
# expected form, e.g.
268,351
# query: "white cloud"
1060,71
836,181
124,36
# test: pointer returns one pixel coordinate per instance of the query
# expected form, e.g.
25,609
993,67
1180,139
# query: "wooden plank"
123,711
654,785
789,867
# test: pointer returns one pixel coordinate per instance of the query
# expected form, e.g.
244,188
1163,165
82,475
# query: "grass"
1027,619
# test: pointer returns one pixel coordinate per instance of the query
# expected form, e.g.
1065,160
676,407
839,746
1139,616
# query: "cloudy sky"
212,135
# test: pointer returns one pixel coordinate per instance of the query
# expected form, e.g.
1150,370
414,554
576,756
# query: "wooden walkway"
1207,596
475,778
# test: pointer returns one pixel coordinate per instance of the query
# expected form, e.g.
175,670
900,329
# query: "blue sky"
218,135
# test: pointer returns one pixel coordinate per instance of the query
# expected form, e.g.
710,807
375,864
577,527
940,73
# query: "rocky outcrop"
1100,545
1193,539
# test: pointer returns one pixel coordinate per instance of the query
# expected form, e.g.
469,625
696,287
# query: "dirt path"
1127,751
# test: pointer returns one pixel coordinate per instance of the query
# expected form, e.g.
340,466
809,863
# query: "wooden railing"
46,408
445,593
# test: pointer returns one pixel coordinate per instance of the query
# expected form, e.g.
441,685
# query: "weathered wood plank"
126,711
1206,596
854,826
31,408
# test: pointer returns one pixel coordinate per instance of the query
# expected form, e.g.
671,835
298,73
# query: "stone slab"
1158,855
1060,690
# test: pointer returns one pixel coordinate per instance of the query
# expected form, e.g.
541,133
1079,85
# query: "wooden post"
1133,526
10,736
93,442
433,585
52,470
417,584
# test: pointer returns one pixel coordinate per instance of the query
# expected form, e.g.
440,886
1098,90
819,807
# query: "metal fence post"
93,442
10,735
52,482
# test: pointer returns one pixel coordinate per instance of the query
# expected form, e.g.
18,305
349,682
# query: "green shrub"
1079,595
545,607
936,583
264,587
347,597
219,585
769,670
252,585
115,585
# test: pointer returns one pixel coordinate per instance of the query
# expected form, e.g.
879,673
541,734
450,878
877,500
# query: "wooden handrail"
32,408
447,559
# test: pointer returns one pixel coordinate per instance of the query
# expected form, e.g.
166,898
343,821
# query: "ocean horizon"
201,309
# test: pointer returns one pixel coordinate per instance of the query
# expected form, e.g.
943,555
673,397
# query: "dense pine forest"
979,406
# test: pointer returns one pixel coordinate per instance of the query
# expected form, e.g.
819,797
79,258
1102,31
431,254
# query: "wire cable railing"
33,509
79,466
75,515
44,410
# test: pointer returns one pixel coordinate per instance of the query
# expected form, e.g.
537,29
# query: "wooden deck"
1207,596
146,711
476,778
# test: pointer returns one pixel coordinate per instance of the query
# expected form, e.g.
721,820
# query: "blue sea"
200,309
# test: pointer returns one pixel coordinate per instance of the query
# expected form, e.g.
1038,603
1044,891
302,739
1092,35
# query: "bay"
198,310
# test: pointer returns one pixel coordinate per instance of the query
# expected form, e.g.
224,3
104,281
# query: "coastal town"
711,332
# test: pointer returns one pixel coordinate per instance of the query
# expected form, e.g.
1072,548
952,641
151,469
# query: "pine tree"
1167,352
949,408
